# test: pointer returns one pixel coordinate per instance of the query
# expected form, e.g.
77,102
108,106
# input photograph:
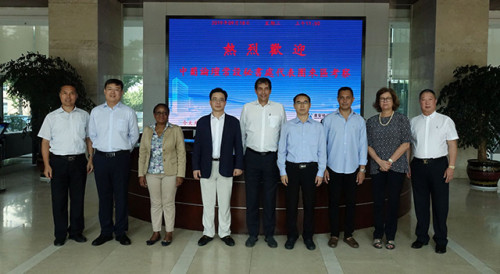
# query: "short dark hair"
218,90
426,90
263,80
114,81
67,84
345,88
161,105
301,94
395,99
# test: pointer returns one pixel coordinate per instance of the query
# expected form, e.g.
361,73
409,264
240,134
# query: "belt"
215,159
111,154
302,165
429,160
68,158
261,153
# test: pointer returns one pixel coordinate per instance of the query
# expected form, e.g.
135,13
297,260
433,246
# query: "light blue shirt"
346,141
302,143
113,129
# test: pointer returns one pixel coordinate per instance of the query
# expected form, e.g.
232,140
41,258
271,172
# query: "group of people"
300,153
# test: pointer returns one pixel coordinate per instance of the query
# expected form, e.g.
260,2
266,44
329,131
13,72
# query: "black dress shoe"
309,244
251,241
417,244
78,238
290,243
123,239
166,243
204,240
59,242
440,249
271,242
152,242
101,239
228,240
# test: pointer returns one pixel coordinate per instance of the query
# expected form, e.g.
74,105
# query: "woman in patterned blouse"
162,167
388,141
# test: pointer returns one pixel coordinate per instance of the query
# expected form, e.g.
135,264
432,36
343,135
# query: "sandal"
377,243
390,245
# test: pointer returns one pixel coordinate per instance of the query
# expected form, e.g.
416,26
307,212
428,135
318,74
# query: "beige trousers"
162,191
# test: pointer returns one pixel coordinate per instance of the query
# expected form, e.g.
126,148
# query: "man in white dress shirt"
433,138
64,143
261,122
113,130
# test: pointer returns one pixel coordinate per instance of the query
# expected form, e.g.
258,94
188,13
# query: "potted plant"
36,79
471,100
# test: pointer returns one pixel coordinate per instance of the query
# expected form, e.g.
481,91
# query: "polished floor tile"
26,236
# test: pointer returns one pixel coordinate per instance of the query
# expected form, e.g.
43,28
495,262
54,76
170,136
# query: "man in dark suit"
217,157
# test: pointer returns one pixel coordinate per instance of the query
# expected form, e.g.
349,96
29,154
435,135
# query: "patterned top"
386,139
156,158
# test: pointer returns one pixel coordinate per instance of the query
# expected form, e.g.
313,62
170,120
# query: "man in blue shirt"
302,162
347,156
113,131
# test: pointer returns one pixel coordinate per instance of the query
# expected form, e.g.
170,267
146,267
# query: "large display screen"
315,56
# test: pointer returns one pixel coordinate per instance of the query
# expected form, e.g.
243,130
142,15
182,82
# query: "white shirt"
430,133
65,131
113,129
217,125
261,125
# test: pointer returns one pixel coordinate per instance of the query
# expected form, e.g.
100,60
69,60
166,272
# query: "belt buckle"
110,154
425,161
302,166
71,158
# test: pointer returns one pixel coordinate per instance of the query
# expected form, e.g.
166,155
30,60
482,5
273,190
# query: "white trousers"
162,191
220,187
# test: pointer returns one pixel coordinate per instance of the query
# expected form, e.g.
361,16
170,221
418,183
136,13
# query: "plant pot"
483,175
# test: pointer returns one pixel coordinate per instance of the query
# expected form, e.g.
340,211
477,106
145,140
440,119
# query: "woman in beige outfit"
162,167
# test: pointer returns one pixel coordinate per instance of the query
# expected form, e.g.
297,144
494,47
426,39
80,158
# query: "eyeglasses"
385,99
161,113
218,100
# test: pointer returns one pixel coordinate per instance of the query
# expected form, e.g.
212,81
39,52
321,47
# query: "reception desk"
189,207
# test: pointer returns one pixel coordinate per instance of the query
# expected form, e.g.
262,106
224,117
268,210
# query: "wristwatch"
452,167
362,170
390,161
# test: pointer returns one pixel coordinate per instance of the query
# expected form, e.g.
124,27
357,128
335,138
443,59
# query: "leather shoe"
204,240
334,240
168,239
152,241
290,243
79,238
271,242
440,249
123,239
251,241
59,242
309,244
101,239
417,244
228,240
351,242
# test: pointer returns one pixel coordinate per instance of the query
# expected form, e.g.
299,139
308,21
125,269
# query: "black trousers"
112,179
429,185
386,184
346,184
69,175
300,177
261,175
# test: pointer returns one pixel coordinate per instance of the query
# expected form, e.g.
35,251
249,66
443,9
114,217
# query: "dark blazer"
231,142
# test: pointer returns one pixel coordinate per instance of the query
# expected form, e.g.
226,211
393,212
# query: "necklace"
380,119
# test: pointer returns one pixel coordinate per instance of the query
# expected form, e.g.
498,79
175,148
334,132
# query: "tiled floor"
26,241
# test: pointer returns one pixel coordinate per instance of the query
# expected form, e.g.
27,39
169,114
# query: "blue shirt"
113,129
346,141
302,143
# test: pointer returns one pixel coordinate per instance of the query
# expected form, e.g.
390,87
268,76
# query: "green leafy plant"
36,80
472,101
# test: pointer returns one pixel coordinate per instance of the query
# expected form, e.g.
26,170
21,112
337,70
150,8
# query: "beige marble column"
89,35
446,34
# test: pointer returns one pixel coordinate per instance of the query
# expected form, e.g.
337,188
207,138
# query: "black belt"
302,165
429,161
261,153
111,154
68,158
215,159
